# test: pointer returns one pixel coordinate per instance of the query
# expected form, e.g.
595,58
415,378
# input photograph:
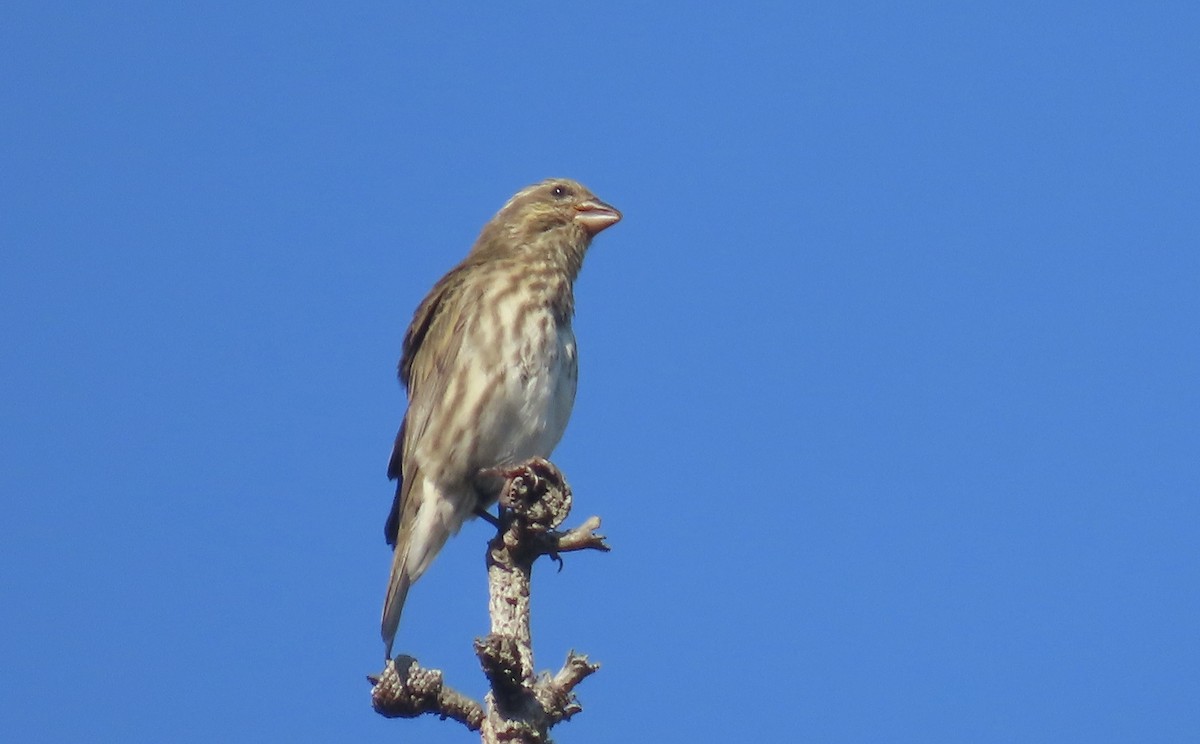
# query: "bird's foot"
533,471
488,517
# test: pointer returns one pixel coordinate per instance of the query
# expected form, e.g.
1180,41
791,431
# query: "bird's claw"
488,517
534,471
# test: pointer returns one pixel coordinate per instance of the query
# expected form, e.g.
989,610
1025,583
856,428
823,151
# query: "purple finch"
490,368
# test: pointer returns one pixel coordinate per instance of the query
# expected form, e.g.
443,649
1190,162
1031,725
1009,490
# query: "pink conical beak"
595,215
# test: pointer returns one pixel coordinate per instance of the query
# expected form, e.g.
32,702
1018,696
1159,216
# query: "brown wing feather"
399,524
392,526
422,320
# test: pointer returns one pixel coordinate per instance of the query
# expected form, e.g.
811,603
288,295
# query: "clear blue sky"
889,388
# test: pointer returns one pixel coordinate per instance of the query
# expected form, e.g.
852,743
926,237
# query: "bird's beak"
595,215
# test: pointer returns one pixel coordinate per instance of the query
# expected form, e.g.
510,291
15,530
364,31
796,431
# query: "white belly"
530,418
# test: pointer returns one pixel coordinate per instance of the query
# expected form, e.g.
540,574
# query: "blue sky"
888,395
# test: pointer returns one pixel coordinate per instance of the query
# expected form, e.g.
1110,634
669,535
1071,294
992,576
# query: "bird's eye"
559,192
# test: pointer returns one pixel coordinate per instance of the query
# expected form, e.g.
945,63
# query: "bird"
490,368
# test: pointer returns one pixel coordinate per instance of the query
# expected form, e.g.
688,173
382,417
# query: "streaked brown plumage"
490,367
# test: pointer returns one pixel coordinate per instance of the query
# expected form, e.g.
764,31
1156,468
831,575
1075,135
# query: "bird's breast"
536,381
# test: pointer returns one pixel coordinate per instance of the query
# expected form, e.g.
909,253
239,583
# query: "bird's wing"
420,394
430,311
438,317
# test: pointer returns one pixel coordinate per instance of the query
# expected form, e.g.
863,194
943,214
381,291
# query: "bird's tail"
426,523
397,592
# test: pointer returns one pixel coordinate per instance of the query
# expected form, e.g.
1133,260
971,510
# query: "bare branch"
521,707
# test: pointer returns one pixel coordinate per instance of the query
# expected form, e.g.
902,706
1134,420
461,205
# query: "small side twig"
405,690
583,537
556,693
